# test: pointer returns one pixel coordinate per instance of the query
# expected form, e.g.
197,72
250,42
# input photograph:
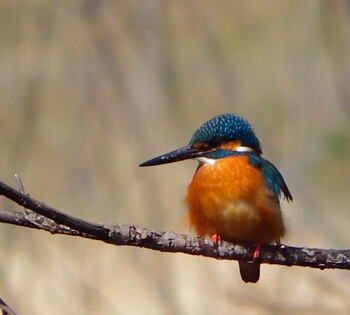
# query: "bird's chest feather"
230,198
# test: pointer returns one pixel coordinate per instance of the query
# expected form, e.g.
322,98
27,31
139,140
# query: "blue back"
273,178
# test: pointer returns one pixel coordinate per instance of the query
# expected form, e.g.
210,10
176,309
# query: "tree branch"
6,310
44,217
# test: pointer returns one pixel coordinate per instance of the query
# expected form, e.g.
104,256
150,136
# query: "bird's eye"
207,146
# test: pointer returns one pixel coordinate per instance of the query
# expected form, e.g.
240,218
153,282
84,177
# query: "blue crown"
225,128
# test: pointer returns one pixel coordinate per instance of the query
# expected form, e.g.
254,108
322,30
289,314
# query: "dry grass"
88,90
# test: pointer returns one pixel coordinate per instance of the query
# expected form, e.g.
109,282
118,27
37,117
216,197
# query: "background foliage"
89,89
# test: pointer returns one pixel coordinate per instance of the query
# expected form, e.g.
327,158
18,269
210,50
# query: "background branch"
6,310
44,217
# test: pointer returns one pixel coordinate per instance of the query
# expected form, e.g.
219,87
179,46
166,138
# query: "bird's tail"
250,272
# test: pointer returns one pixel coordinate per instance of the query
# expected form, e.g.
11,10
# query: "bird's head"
215,139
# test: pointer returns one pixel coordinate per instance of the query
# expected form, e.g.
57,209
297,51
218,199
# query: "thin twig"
19,184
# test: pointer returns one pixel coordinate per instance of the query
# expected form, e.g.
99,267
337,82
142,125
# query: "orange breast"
230,198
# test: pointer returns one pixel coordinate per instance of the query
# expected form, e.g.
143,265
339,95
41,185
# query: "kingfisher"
234,194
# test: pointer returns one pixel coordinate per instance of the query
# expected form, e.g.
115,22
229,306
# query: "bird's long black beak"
181,154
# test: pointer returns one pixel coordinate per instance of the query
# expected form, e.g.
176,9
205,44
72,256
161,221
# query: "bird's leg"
215,239
256,252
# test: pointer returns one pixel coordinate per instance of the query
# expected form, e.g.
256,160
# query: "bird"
235,193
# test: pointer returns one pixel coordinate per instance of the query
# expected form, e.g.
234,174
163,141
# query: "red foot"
215,239
256,253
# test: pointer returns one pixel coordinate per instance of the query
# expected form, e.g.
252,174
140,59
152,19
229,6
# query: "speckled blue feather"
225,128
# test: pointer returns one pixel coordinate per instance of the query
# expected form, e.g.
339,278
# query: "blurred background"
89,89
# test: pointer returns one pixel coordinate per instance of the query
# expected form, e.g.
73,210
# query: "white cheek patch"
244,149
205,161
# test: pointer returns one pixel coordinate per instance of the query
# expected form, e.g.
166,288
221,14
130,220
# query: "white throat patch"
205,161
